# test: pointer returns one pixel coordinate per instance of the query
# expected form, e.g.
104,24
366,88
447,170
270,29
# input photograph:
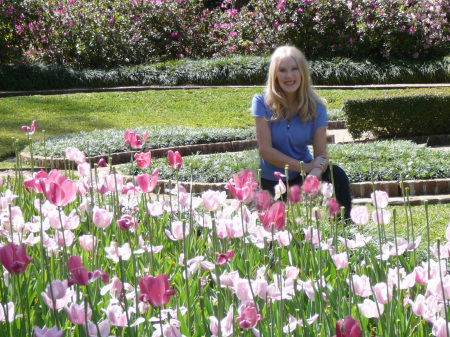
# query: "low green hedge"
403,116
239,70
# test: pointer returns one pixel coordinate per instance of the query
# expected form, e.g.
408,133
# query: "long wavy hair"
274,95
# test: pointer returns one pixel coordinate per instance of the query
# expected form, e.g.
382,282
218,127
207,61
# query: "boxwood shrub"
402,116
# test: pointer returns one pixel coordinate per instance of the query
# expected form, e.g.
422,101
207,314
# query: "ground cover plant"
97,257
212,107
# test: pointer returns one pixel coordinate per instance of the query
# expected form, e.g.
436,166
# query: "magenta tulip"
126,222
175,159
147,183
102,163
155,290
263,200
351,327
144,160
274,217
29,130
311,185
134,140
80,275
295,194
15,260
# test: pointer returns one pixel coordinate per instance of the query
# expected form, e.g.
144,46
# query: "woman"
288,117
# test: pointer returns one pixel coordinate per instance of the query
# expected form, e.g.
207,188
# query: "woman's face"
288,75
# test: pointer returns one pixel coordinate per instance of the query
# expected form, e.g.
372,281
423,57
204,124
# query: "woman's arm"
319,143
273,156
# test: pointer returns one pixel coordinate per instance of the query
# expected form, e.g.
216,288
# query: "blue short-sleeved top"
291,138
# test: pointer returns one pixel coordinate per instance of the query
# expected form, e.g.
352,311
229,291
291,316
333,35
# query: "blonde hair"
274,95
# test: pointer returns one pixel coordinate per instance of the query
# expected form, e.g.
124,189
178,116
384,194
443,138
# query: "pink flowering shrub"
107,34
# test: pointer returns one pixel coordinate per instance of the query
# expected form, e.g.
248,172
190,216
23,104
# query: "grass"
211,107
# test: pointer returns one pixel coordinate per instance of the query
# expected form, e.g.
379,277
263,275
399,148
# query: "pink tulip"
313,213
29,130
126,222
102,218
76,313
440,327
248,315
80,275
87,242
275,217
102,162
244,186
380,198
311,185
9,314
147,183
175,159
155,290
371,309
134,140
263,200
316,235
382,216
295,194
351,327
340,260
59,194
46,332
212,200
143,160
84,169
360,215
333,207
13,259
1,182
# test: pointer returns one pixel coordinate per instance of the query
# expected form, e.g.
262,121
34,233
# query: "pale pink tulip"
61,294
156,209
371,309
316,236
101,329
175,159
117,317
383,293
115,253
280,189
421,275
292,272
284,238
114,182
212,200
76,313
441,328
419,307
46,332
87,242
382,216
311,185
143,160
84,169
226,324
134,140
361,285
197,262
102,218
340,260
360,215
177,231
73,154
294,322
380,199
243,291
9,313
66,239
326,189
314,211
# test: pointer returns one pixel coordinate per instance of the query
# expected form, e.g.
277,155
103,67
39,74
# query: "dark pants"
341,187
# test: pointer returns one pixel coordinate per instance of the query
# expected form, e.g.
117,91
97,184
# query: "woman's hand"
321,162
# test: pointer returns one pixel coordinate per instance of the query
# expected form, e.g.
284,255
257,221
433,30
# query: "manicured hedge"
238,70
404,116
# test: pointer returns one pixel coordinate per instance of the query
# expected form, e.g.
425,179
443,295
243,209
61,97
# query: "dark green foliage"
238,70
403,116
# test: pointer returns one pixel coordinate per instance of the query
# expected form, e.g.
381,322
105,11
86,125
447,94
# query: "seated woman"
289,115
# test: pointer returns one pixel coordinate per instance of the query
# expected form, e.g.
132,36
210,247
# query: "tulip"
76,313
224,258
147,184
84,169
244,186
46,332
15,260
102,162
155,290
293,323
351,327
248,315
87,242
295,194
59,194
263,200
61,295
144,160
75,155
134,140
440,327
381,216
380,199
212,200
29,130
80,275
326,189
126,222
382,293
360,215
275,217
340,260
280,189
333,207
102,218
101,329
311,185
10,315
371,309
175,159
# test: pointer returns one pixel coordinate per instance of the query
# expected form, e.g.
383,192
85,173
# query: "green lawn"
211,107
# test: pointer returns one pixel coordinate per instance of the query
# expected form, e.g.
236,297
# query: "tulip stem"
4,306
186,249
442,286
428,238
